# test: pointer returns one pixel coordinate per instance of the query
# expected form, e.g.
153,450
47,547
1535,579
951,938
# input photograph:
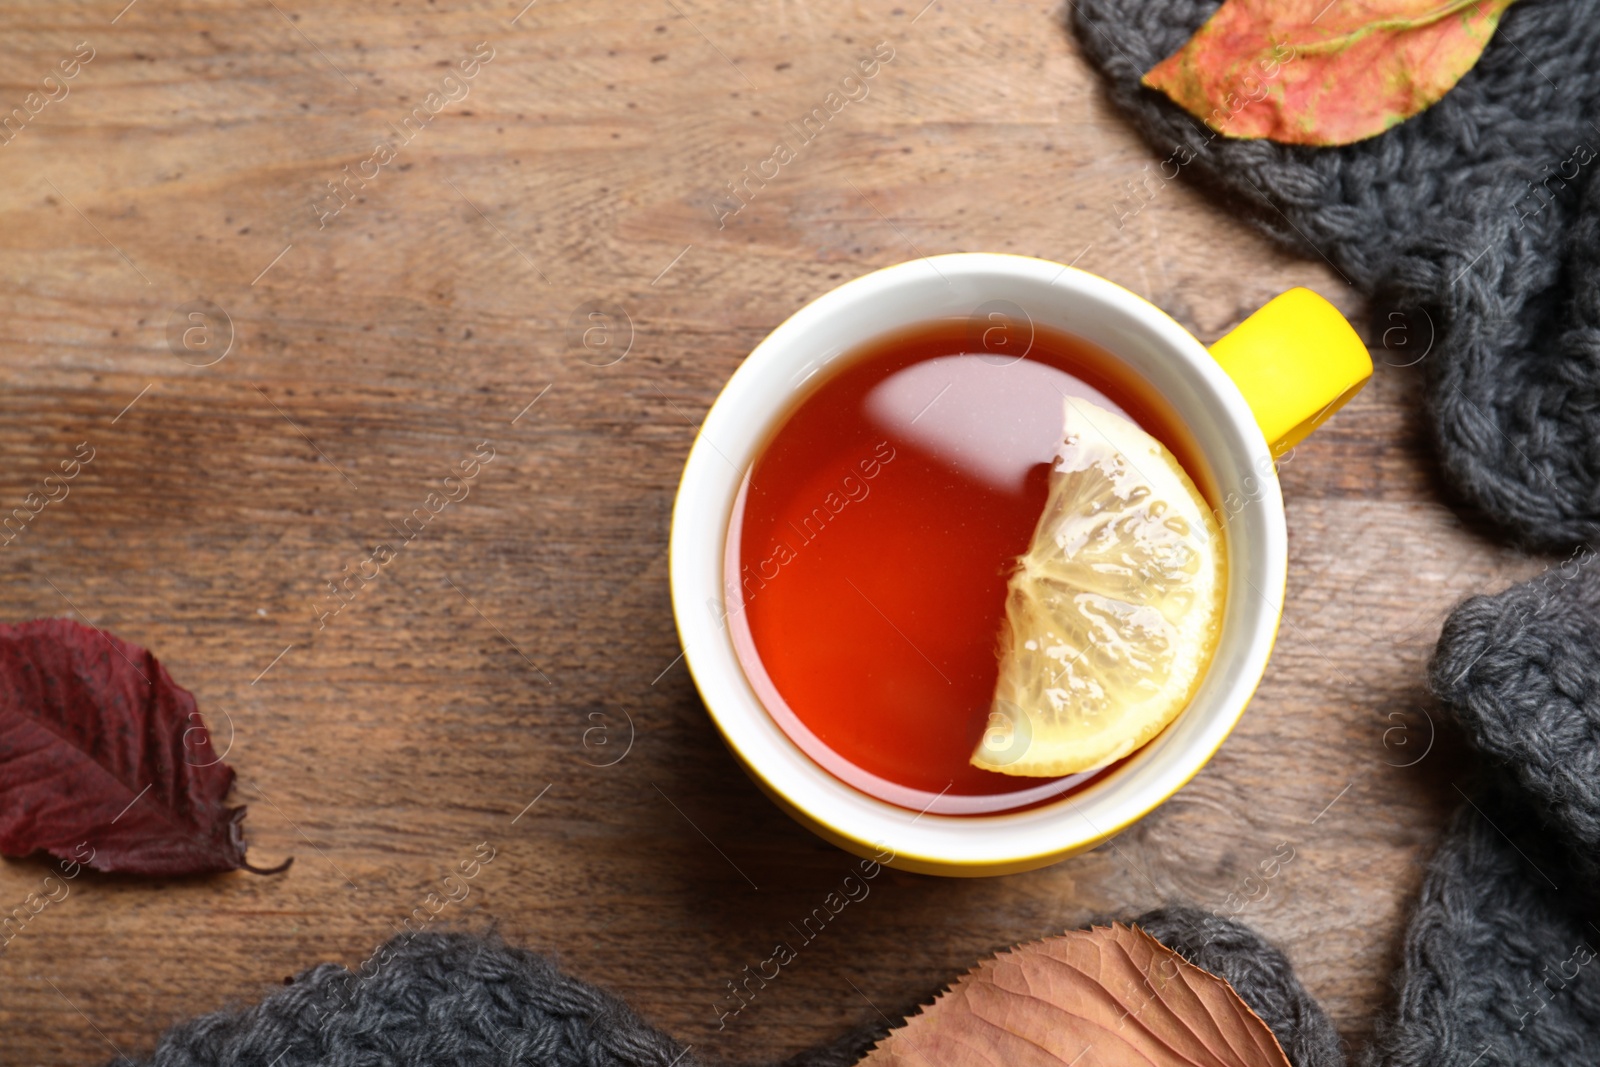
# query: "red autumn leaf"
104,759
1107,997
1324,72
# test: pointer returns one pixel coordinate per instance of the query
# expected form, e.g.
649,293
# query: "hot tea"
874,538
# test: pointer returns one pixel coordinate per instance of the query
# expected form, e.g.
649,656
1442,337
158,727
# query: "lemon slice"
1113,613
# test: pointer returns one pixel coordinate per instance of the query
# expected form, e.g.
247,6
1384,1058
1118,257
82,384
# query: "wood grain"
371,354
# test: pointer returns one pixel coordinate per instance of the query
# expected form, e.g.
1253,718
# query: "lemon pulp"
1113,612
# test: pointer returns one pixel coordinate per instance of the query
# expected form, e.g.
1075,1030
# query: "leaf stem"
279,869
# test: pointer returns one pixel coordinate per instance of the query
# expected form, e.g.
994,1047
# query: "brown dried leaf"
1107,997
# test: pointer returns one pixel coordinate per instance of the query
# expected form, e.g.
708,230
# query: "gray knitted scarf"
1498,966
1473,228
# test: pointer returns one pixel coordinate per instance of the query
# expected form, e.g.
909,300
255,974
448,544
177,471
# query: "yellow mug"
1245,402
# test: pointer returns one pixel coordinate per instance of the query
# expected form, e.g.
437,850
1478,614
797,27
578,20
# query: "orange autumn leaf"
1107,997
1324,72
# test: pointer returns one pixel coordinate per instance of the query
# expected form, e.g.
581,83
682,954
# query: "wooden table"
375,347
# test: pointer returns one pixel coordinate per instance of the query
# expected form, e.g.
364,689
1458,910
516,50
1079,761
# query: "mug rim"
752,403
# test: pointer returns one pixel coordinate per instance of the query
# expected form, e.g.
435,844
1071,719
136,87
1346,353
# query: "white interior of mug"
1170,362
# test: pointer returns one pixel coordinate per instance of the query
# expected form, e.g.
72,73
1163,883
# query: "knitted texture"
429,999
471,1001
1499,967
1499,961
1474,226
1521,673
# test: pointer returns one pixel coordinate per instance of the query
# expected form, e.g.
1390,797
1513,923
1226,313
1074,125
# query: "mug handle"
1297,361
